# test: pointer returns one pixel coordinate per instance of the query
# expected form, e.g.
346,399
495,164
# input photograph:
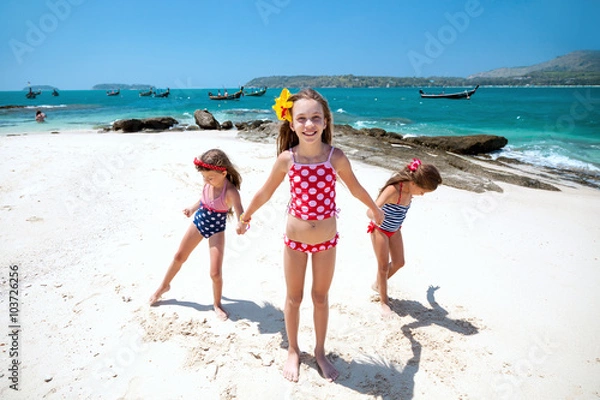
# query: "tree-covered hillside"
576,68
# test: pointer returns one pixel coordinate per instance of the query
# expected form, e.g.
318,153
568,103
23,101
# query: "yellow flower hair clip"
282,106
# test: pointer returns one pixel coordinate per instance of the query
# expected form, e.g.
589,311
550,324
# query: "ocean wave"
341,111
246,111
48,106
548,157
364,124
388,125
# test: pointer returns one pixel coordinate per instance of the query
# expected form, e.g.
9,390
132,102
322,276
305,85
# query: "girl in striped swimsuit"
394,199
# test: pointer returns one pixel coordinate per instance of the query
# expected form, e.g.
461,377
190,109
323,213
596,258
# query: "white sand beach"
498,299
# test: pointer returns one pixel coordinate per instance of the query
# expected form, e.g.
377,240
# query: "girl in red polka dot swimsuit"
312,165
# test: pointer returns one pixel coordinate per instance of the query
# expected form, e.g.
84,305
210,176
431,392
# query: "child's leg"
190,240
381,247
396,253
216,244
294,265
323,265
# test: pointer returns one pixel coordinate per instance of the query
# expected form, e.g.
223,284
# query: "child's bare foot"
386,311
221,313
327,369
156,296
291,369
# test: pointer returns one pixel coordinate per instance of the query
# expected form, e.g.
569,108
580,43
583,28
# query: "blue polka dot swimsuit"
211,217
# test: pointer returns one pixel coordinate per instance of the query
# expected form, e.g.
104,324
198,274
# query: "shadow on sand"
383,379
376,377
268,317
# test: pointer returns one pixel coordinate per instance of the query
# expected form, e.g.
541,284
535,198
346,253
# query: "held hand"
243,224
241,228
378,215
188,211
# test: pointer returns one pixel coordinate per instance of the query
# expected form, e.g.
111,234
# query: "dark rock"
372,132
256,124
128,125
470,145
159,123
192,128
227,125
205,120
375,132
136,125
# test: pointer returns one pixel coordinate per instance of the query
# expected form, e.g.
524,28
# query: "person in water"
40,116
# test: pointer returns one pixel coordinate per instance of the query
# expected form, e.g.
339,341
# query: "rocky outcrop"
148,124
470,145
392,151
205,120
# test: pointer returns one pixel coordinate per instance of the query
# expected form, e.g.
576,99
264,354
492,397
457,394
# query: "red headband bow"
412,166
200,163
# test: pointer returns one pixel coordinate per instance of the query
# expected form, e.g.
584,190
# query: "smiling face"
308,120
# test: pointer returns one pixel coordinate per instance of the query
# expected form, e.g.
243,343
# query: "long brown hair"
425,176
288,138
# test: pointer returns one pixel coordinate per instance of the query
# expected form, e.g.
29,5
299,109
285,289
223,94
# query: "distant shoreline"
357,87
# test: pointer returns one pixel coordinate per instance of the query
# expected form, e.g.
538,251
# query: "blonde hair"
287,137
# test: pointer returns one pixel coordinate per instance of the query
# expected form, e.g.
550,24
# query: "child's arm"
191,210
234,200
263,194
343,168
386,196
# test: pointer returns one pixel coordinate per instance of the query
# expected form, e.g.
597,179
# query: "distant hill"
577,61
576,68
351,81
122,86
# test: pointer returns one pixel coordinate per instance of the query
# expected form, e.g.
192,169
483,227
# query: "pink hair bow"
412,166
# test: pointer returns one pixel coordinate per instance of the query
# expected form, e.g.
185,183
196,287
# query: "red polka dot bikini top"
312,187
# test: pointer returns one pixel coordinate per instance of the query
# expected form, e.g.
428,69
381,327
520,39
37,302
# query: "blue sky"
74,44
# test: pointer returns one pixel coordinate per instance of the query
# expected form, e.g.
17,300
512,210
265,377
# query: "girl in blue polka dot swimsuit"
219,195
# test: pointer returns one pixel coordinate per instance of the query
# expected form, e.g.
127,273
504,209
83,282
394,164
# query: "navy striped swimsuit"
394,215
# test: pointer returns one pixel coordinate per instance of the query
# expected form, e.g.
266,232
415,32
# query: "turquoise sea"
556,127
